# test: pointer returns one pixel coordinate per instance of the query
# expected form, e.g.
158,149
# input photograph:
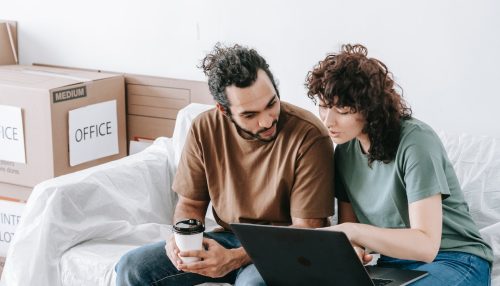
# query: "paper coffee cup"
188,235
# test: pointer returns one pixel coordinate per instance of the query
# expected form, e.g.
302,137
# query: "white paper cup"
188,235
186,242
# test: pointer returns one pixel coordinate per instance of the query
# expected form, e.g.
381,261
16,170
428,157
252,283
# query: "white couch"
76,227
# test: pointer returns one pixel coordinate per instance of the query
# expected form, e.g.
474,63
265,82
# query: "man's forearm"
187,208
309,222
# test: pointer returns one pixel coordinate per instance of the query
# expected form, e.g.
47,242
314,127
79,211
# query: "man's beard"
257,135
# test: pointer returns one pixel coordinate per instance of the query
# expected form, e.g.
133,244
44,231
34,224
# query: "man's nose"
266,121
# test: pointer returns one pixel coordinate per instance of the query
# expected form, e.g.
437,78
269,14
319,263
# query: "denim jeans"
449,268
149,265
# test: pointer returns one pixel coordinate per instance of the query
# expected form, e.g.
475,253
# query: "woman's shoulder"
413,131
418,136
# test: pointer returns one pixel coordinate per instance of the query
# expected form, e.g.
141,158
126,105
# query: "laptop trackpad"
393,276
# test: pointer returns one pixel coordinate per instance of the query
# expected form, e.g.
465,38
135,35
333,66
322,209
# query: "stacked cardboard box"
8,43
57,121
153,103
2,263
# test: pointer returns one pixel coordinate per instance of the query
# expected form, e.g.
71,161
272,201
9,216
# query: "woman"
398,193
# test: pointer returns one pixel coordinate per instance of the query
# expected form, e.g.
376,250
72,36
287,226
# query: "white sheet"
124,201
476,161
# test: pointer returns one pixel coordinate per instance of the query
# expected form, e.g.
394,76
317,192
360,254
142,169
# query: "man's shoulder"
206,118
303,119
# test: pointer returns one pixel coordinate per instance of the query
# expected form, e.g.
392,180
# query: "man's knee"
249,276
127,270
143,265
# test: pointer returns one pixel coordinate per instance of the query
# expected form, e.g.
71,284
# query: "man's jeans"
449,268
149,265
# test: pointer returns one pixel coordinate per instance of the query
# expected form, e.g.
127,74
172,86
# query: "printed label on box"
93,132
69,94
12,134
10,214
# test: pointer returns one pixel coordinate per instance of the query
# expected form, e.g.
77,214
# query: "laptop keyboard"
381,282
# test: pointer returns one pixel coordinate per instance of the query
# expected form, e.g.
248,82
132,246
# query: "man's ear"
221,108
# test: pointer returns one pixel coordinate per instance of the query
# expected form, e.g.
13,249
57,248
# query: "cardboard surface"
14,193
149,127
8,43
46,95
153,103
2,263
10,215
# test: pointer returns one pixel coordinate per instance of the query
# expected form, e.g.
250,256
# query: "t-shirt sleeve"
190,178
424,161
340,192
313,189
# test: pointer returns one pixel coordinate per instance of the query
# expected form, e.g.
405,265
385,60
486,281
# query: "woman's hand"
350,229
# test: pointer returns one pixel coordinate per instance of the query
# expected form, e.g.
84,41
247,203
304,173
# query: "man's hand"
216,261
173,252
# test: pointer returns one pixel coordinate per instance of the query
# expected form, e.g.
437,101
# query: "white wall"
444,53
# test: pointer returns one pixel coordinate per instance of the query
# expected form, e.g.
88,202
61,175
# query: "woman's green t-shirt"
380,195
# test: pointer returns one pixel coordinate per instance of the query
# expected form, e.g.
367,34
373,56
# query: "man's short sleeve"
190,178
340,192
313,189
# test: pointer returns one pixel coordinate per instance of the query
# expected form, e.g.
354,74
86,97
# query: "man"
257,159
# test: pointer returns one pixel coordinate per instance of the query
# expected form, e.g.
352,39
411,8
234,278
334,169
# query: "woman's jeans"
150,265
449,268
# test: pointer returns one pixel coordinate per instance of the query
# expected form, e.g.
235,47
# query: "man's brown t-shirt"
254,181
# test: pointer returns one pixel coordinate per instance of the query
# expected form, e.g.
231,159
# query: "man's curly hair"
236,65
366,86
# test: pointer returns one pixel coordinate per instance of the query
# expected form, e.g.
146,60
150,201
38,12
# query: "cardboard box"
15,192
145,127
65,125
8,43
153,103
10,214
2,264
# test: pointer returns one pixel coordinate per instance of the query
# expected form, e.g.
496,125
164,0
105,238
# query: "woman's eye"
343,110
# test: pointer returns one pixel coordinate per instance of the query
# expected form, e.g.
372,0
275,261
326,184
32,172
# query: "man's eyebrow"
253,112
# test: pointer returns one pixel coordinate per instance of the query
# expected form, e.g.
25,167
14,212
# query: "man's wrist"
240,257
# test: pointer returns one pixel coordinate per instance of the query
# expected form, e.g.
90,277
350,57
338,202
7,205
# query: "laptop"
297,256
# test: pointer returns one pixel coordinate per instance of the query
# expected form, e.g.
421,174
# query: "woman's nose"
328,118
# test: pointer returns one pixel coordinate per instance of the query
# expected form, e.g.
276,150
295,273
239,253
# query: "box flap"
46,77
8,43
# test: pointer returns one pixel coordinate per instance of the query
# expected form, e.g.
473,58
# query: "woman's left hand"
349,229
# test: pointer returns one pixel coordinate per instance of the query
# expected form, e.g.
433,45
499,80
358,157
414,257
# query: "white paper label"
11,134
10,214
93,132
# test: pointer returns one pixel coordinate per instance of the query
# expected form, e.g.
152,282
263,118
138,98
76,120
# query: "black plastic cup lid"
188,226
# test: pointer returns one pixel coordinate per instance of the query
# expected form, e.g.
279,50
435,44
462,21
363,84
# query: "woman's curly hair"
366,86
236,65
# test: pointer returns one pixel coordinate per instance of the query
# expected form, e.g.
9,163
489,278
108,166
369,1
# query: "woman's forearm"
411,244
